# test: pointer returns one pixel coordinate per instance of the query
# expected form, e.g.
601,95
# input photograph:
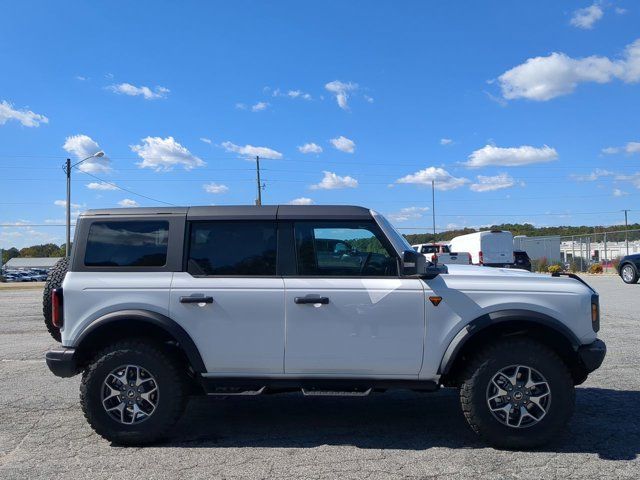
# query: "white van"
492,248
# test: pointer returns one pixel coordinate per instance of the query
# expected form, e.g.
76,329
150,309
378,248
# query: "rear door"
497,248
229,299
348,312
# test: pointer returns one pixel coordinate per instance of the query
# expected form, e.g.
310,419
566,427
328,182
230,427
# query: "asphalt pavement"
44,435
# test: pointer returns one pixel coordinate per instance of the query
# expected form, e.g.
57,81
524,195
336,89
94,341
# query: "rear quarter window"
127,244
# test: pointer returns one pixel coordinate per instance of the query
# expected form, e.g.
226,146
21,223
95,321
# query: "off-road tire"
171,380
54,280
634,277
501,354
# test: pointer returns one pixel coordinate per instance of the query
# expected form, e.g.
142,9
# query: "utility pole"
67,170
433,207
626,230
260,186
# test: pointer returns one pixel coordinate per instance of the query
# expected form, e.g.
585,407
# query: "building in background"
539,247
19,263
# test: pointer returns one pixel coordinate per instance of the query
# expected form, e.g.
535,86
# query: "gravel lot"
400,435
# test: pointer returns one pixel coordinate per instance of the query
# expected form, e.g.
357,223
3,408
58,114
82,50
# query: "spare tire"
54,280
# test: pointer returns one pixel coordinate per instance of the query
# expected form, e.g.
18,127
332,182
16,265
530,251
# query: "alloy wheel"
130,394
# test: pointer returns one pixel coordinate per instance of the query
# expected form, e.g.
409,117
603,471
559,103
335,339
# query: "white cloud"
511,156
101,186
241,106
343,144
133,91
368,99
489,184
629,148
251,151
446,141
544,78
80,78
206,140
585,18
620,11
593,176
331,181
310,148
341,90
83,146
213,187
127,202
443,179
292,94
301,201
619,193
162,154
409,213
63,203
634,178
258,107
26,117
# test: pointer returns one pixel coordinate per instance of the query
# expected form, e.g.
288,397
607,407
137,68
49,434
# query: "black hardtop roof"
233,212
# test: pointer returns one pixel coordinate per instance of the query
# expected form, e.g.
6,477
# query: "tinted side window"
342,248
127,244
232,248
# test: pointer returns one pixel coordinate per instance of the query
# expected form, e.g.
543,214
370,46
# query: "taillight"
595,312
481,260
57,314
434,258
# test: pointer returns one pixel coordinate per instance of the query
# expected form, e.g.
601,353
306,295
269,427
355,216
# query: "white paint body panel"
371,326
242,331
384,328
90,295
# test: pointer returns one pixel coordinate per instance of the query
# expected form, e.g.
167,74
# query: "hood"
475,277
476,270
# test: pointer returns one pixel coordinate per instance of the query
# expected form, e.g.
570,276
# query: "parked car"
629,268
440,253
493,248
521,260
161,303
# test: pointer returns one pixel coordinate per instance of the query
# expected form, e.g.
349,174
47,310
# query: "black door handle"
311,299
196,299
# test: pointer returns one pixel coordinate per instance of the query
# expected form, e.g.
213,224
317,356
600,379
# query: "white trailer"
493,248
539,247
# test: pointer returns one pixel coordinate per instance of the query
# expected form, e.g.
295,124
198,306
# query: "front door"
230,300
347,310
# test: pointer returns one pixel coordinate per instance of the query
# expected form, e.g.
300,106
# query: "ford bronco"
157,304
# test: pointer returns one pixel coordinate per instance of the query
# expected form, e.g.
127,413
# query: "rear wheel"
54,280
517,394
629,273
133,393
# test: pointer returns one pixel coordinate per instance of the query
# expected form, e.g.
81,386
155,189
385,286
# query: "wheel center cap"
517,396
131,394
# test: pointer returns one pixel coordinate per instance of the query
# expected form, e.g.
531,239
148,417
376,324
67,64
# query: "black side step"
309,386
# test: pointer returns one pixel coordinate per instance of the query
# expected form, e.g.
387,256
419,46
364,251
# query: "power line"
130,191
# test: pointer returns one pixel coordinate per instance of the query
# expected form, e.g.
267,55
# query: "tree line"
46,250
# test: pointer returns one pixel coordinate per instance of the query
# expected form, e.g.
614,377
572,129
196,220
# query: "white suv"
328,300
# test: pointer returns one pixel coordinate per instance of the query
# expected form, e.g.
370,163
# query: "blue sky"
521,112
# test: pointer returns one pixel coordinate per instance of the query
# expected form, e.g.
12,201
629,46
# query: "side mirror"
413,263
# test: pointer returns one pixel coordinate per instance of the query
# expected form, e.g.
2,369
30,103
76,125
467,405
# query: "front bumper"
592,355
62,362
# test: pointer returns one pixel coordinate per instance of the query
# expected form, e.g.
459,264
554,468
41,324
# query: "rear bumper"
62,362
592,355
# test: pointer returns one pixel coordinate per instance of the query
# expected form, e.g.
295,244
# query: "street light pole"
67,169
626,232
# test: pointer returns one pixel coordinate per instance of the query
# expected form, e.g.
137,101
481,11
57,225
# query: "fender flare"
501,316
171,327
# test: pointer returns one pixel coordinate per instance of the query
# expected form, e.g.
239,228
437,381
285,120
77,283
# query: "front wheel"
629,273
133,393
517,394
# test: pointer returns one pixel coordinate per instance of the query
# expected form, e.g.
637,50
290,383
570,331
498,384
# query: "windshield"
399,243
